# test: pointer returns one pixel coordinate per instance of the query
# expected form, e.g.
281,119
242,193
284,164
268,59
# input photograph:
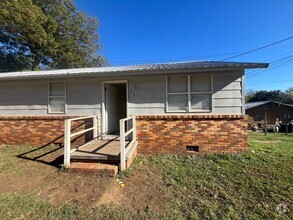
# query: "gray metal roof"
255,104
132,70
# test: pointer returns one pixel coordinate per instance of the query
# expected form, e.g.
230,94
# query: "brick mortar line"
162,117
2,118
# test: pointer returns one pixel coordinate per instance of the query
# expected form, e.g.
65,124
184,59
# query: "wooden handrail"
82,132
68,135
81,118
123,134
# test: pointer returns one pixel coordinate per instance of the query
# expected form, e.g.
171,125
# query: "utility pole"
286,118
266,120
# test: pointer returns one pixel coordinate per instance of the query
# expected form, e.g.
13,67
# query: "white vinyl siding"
228,95
57,98
84,95
189,93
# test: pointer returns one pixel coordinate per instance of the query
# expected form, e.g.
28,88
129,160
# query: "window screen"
189,93
57,97
200,101
178,102
178,84
201,83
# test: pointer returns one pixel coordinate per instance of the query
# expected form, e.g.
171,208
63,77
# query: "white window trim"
189,93
65,98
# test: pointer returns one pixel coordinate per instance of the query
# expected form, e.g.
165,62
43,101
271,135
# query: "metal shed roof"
132,70
255,104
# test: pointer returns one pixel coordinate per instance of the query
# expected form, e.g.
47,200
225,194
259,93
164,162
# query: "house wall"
169,134
274,111
210,133
146,95
24,115
41,130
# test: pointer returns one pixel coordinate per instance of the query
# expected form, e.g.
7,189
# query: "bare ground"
43,178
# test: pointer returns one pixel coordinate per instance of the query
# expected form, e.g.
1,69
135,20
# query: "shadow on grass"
49,151
43,151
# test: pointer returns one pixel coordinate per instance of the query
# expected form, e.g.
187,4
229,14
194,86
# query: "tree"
249,94
47,34
289,91
274,95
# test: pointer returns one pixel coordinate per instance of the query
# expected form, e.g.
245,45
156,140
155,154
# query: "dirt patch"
43,178
2,145
142,190
49,183
58,187
82,189
113,195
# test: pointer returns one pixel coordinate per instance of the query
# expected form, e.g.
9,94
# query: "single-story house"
179,107
274,110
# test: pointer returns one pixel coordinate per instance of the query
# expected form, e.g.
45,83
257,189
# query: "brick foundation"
170,134
167,134
40,130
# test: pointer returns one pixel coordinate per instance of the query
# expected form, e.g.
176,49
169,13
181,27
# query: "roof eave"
137,72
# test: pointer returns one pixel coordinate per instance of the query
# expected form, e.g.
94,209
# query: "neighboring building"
274,110
179,107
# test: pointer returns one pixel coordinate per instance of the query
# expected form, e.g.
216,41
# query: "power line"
276,63
271,60
259,48
177,58
252,34
271,82
287,58
275,67
261,71
200,57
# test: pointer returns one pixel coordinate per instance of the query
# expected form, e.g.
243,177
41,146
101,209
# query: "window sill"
59,113
200,111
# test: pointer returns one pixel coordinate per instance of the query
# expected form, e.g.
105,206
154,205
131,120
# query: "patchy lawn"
255,185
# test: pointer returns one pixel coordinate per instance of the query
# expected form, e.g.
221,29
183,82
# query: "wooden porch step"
98,168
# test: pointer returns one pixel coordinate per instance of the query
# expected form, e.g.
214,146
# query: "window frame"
256,117
286,118
189,93
50,96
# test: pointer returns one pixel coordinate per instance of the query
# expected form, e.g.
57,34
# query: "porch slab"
99,150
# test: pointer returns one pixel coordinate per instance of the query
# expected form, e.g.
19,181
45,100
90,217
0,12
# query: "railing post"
134,126
100,128
67,130
122,145
95,125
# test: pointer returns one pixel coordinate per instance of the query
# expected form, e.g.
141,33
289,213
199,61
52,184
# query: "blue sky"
154,31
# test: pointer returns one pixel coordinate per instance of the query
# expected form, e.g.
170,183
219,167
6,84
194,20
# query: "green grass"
28,207
254,185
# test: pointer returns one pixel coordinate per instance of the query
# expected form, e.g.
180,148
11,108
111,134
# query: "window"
189,93
257,118
287,117
57,97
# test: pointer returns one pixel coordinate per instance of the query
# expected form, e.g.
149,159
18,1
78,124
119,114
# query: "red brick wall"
39,130
171,134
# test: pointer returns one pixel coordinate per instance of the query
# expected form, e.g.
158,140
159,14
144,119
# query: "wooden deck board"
99,150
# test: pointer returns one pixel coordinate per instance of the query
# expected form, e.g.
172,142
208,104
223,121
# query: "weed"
254,185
